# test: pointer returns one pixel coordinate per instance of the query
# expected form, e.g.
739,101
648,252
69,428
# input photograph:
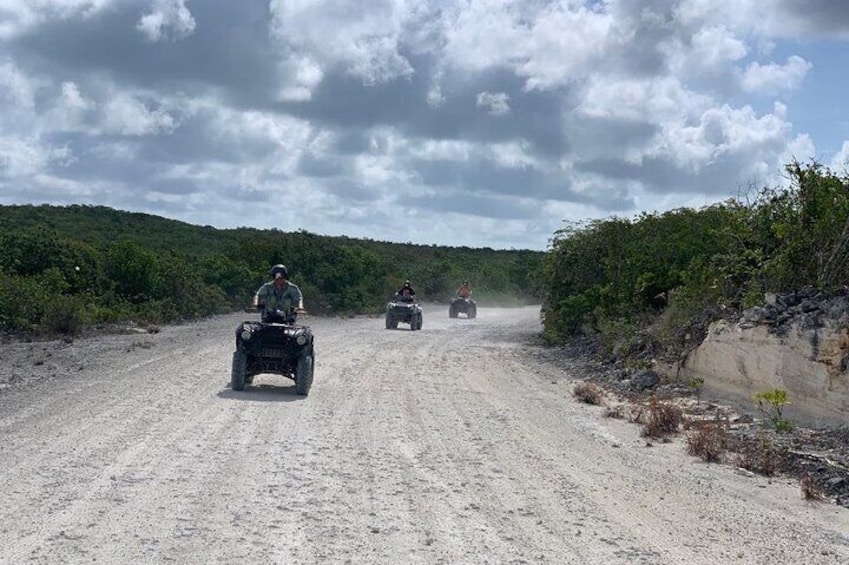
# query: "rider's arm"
300,298
295,297
260,297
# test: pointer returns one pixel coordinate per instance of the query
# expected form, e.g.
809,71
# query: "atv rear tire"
473,312
452,312
240,365
304,373
389,325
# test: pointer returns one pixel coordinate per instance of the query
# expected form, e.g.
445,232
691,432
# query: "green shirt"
285,299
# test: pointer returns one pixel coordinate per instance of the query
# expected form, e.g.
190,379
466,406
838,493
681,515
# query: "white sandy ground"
455,444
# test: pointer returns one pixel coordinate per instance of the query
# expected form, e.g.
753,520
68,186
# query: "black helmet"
279,269
406,283
466,283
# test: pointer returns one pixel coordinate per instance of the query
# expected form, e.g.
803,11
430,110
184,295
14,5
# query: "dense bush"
682,268
63,268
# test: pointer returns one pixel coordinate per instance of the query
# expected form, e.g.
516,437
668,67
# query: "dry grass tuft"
810,491
708,441
659,418
589,393
761,457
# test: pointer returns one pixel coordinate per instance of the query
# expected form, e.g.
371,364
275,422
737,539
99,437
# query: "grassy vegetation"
63,268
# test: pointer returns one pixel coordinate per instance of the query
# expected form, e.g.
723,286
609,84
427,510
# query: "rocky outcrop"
797,342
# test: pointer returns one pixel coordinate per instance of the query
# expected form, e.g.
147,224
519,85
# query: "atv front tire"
240,365
304,373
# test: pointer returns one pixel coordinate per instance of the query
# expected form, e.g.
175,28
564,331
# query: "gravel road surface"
456,444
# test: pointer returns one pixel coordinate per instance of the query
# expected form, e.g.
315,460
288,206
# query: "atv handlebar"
255,309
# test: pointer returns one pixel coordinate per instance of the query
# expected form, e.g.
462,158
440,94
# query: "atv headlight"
301,339
246,334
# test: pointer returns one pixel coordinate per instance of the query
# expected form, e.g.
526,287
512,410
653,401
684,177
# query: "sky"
476,123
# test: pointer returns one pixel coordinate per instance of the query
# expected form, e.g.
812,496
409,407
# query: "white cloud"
124,114
69,110
800,148
114,150
442,150
513,155
434,95
19,16
21,158
654,100
772,77
17,90
566,45
567,108
708,50
484,34
549,45
65,187
722,132
170,19
840,162
717,46
237,126
364,38
496,103
299,84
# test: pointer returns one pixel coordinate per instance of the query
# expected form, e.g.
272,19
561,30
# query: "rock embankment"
798,342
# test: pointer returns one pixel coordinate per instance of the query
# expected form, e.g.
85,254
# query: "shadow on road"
263,393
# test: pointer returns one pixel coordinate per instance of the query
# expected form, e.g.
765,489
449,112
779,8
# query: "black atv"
460,305
275,345
405,311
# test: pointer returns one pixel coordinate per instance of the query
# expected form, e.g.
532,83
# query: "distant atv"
405,311
460,305
279,347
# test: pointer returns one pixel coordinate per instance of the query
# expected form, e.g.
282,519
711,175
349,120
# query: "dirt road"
455,444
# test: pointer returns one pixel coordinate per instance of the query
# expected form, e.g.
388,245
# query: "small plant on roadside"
708,441
760,457
810,491
660,418
770,404
65,316
697,384
588,393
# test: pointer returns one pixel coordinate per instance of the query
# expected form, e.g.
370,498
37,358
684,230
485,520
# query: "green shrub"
770,404
65,315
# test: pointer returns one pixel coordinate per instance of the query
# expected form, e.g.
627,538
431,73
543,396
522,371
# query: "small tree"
697,384
770,404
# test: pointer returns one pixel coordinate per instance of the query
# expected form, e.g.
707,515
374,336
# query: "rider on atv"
465,290
279,300
407,293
